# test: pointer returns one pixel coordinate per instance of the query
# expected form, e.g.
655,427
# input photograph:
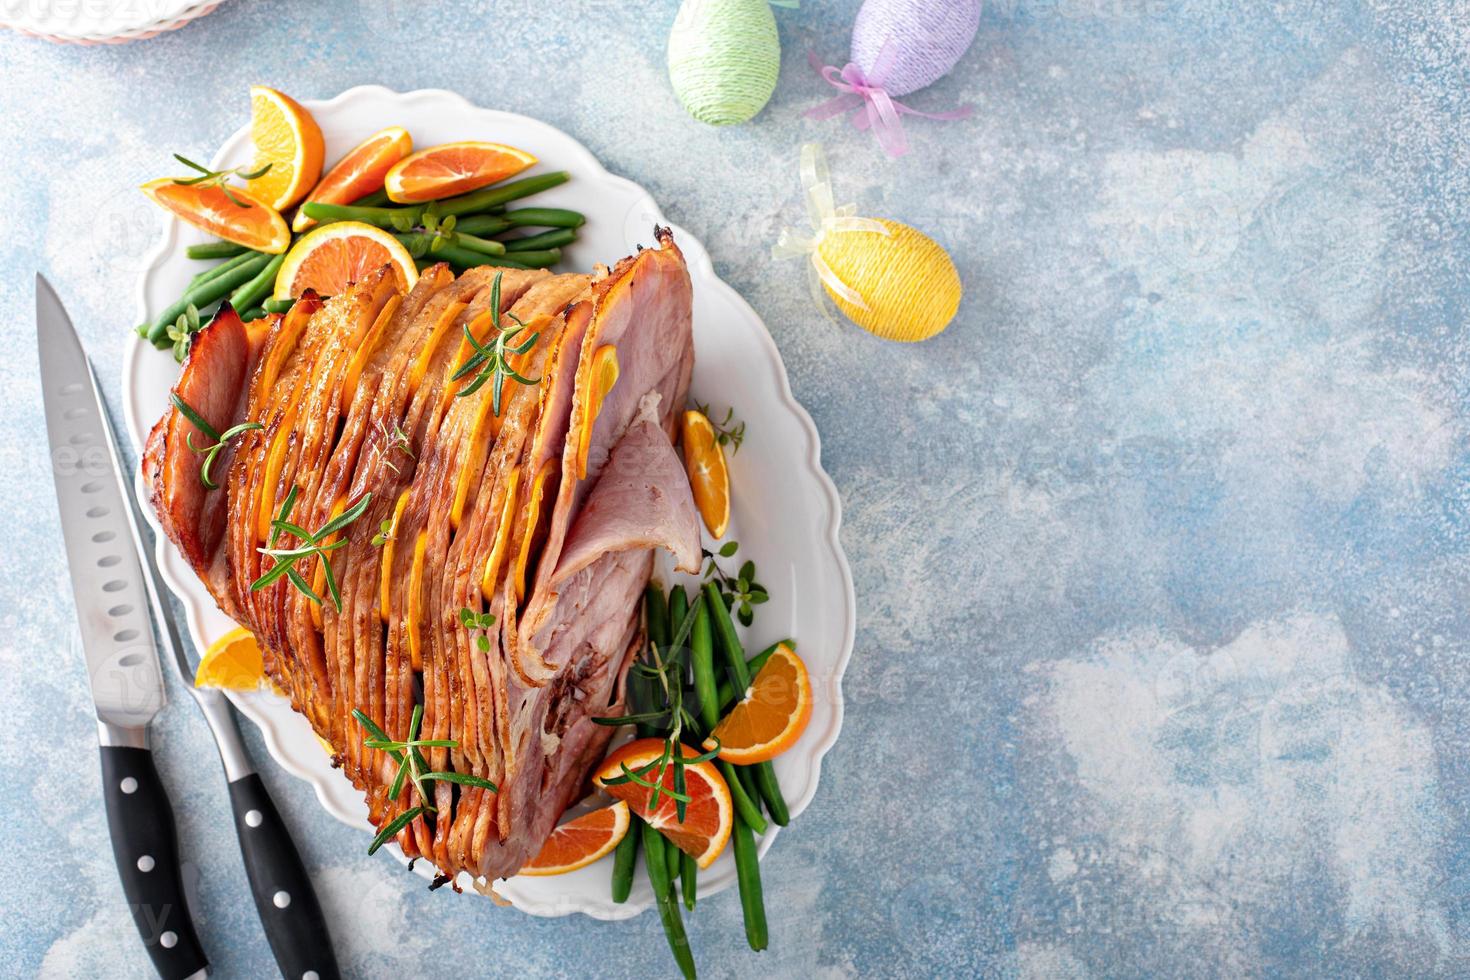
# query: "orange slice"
705,829
232,663
287,138
330,258
604,376
360,172
453,168
771,716
577,843
704,460
207,207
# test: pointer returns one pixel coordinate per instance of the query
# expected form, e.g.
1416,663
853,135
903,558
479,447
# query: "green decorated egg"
724,56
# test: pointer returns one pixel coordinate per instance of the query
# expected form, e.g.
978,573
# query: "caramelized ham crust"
545,514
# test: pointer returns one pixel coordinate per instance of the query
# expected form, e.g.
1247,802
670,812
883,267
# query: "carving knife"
284,898
117,642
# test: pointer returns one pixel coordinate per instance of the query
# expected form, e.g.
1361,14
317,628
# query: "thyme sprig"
729,431
210,452
312,545
741,591
412,768
492,362
182,331
391,441
218,178
472,620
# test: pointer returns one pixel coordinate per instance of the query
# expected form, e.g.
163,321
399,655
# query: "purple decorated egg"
905,45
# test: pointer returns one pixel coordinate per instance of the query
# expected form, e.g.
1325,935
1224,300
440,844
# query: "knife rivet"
282,899
128,785
310,975
145,863
168,940
252,818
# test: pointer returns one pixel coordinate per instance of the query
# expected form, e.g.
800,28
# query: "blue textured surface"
1159,550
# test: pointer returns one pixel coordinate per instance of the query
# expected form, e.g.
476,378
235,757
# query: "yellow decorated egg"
907,281
724,56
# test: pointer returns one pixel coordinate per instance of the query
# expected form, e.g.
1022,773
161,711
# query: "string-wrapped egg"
898,47
924,39
724,56
908,286
887,277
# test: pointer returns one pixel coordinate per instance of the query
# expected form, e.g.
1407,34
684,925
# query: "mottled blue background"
1159,550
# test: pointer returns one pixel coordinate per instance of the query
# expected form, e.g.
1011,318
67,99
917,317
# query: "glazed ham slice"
546,514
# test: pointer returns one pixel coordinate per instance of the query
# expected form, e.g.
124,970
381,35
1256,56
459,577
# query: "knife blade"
285,900
117,641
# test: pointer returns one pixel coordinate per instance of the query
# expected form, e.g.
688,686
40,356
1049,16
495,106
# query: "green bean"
770,791
545,218
656,615
740,678
481,224
488,197
203,295
278,305
724,631
726,695
655,857
258,289
555,238
540,259
462,257
476,244
678,609
215,250
744,799
625,859
254,313
222,268
702,658
748,874
393,219
688,879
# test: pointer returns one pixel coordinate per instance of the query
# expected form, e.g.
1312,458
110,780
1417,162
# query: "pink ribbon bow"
876,109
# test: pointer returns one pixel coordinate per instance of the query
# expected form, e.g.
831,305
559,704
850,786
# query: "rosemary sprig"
741,591
286,558
218,178
491,362
477,621
220,438
412,768
667,668
729,431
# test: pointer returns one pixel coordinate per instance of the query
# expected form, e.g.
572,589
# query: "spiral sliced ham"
546,515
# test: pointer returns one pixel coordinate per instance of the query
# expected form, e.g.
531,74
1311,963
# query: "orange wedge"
453,168
232,663
704,460
257,225
330,258
708,817
577,843
287,138
360,172
771,716
604,375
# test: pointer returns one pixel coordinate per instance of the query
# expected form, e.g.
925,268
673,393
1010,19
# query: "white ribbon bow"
825,219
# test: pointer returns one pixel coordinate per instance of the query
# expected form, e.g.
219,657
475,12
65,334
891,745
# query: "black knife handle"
146,846
287,903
